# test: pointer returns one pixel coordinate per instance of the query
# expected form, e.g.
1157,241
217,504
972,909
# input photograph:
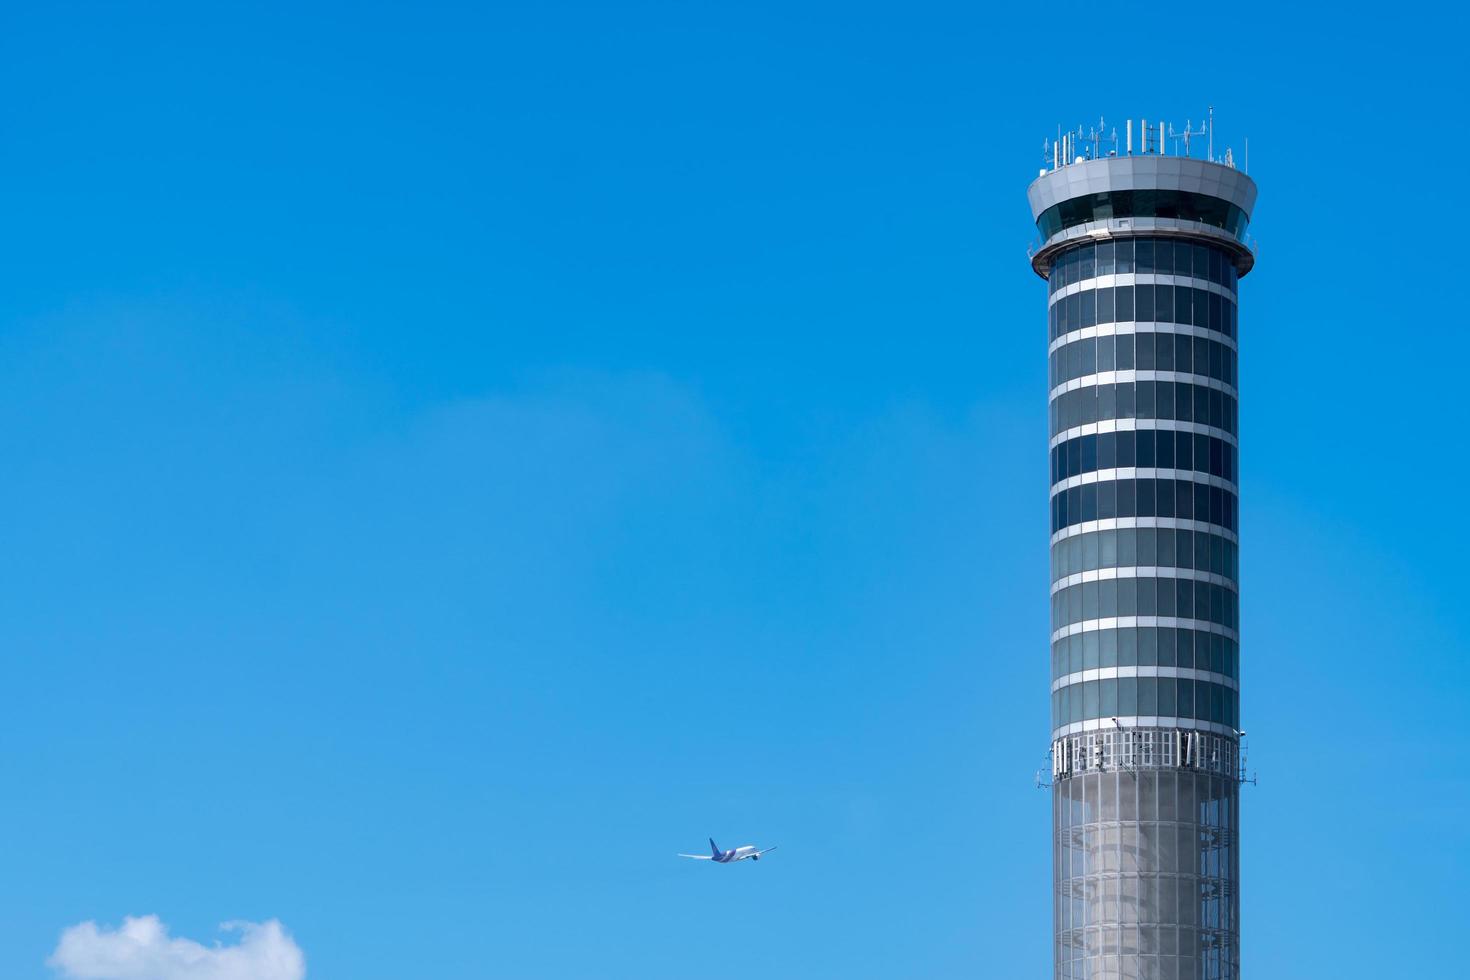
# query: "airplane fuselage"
739,854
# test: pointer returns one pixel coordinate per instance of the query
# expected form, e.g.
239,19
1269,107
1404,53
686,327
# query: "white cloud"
142,949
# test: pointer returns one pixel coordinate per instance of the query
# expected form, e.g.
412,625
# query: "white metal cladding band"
1133,374
1130,749
1130,622
1130,327
1064,606
1106,673
1139,278
1141,722
1094,381
1124,523
1116,572
1142,473
1173,523
1131,425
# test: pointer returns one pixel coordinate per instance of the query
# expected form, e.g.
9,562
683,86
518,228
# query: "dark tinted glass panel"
1199,261
1164,348
1163,303
1143,310
1128,448
1146,443
1145,250
1144,346
1124,304
1164,256
1125,344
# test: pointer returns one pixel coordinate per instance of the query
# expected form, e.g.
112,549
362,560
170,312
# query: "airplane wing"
697,857
769,849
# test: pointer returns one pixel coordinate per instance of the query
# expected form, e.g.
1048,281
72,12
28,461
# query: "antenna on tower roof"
1187,134
1100,141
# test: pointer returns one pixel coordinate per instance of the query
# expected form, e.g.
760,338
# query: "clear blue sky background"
455,458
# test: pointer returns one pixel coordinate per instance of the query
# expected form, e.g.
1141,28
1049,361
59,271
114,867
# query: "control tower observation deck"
1143,254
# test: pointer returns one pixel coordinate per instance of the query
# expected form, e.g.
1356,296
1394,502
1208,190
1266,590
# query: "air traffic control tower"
1143,247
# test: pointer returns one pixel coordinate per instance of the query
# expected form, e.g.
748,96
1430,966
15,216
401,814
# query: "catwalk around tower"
1142,254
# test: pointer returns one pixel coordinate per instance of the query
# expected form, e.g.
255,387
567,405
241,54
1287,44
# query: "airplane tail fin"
714,848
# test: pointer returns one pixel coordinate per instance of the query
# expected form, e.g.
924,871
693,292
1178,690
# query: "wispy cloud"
142,949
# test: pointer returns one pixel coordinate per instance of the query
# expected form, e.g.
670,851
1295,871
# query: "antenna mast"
1186,135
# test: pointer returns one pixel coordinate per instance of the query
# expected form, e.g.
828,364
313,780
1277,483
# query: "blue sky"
455,458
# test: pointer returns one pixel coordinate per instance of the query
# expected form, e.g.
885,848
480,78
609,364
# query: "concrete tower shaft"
1143,255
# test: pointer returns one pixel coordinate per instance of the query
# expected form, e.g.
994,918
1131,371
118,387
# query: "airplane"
730,856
